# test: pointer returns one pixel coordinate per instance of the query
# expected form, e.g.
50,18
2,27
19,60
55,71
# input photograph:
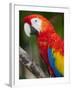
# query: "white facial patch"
27,29
36,23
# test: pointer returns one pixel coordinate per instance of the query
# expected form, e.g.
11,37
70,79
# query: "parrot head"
35,24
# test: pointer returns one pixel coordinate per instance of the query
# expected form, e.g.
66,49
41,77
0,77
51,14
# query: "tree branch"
25,59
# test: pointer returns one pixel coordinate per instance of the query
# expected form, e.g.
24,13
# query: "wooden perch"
25,59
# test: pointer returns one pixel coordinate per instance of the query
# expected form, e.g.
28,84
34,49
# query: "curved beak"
29,30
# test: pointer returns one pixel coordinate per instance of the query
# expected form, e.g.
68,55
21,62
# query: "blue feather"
52,63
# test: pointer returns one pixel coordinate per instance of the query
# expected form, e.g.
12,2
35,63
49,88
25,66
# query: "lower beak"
33,31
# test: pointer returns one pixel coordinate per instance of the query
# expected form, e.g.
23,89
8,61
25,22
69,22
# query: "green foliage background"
29,44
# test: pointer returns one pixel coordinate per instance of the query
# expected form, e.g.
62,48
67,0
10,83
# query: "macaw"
50,44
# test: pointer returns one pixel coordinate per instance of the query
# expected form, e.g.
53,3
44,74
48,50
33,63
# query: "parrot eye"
36,23
35,20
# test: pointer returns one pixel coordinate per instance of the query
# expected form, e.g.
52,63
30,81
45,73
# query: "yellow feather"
59,62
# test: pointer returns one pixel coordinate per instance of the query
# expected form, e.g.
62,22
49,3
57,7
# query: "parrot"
50,44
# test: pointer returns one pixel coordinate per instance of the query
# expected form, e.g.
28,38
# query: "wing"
56,61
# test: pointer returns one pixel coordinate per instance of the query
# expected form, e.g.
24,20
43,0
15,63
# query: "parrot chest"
42,43
43,47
